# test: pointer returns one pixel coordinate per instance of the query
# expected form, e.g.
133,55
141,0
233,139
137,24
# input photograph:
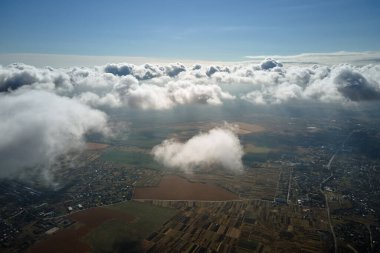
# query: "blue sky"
197,29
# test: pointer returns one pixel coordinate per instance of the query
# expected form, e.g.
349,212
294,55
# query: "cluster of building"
28,214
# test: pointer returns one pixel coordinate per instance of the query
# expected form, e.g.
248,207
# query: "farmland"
106,229
71,238
131,158
113,236
177,188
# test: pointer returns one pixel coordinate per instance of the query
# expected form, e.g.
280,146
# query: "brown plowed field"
71,239
177,188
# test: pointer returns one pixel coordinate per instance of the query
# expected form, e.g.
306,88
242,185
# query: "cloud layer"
337,84
356,58
219,146
39,127
155,87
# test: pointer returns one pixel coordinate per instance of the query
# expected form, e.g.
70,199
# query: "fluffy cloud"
335,84
144,72
131,93
119,69
39,127
354,86
15,76
163,87
173,70
115,85
219,146
269,63
213,69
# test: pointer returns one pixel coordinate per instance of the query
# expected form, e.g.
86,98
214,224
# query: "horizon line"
66,60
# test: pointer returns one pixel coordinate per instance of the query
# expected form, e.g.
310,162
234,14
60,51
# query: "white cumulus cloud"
335,84
39,127
219,146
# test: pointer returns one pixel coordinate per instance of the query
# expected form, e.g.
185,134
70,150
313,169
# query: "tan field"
96,146
245,128
177,188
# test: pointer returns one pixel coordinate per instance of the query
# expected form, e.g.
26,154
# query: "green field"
249,148
130,158
116,236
